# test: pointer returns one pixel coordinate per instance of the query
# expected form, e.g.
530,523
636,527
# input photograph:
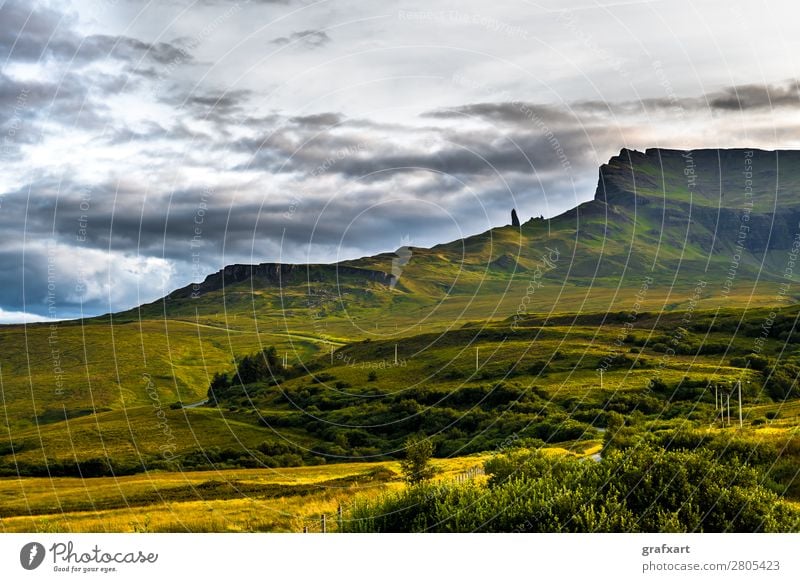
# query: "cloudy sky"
147,144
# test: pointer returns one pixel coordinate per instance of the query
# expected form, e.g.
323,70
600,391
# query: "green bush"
645,489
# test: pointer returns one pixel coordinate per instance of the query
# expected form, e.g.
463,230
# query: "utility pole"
741,424
395,354
476,358
331,353
601,378
729,409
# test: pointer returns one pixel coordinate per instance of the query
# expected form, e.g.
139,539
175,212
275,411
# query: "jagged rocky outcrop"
646,204
710,175
281,275
721,192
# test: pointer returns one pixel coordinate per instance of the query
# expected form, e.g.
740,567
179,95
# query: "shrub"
646,489
322,377
416,466
537,368
781,382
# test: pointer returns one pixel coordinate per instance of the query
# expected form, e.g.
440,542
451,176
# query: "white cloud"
148,134
7,317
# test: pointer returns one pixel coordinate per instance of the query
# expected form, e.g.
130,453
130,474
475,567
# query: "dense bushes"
681,342
781,381
84,468
780,378
645,489
263,366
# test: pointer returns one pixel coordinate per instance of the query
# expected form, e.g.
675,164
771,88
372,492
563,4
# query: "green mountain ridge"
675,214
666,231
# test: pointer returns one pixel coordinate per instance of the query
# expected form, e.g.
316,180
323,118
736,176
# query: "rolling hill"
708,233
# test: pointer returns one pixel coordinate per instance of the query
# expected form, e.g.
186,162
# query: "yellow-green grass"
252,500
135,429
144,433
101,366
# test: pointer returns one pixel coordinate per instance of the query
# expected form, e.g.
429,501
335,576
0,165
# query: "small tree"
416,466
219,384
259,367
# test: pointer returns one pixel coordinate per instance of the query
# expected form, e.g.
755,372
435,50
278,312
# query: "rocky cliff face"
677,215
281,275
714,202
717,191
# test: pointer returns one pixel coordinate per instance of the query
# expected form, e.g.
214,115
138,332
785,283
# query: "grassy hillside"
537,381
285,500
651,234
626,319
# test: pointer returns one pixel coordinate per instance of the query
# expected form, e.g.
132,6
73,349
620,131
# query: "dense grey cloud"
727,99
307,38
136,135
75,95
504,112
744,97
128,49
32,32
318,120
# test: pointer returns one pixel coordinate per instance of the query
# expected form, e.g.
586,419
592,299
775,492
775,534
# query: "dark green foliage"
217,458
777,460
62,414
781,382
628,402
417,463
620,361
696,390
753,361
780,378
683,342
85,468
658,385
538,368
259,367
219,385
644,489
264,367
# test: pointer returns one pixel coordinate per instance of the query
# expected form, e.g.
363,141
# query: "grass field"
281,500
637,311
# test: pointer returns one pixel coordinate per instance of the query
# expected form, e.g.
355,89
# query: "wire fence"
325,523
